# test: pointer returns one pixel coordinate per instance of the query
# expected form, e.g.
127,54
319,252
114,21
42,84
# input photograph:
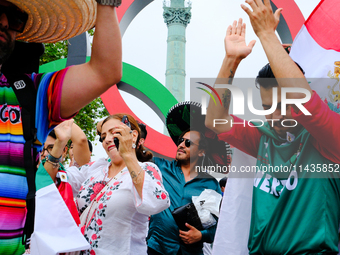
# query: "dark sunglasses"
16,18
49,148
187,142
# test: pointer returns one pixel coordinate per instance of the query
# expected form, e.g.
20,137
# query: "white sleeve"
155,197
76,176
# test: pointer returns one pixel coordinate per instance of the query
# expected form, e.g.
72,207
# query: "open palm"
235,44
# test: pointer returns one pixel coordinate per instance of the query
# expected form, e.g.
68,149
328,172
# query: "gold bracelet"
136,177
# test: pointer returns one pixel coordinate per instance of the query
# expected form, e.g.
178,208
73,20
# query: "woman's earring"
133,146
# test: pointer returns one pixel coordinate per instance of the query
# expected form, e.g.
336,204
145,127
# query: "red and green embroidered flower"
160,194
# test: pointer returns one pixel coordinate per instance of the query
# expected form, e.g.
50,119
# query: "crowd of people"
131,202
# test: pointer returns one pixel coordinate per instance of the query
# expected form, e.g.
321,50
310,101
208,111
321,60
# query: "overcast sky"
144,46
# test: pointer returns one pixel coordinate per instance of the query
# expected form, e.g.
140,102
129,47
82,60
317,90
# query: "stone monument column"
177,15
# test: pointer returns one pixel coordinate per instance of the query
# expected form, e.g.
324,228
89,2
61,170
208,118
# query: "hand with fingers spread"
262,18
235,44
193,235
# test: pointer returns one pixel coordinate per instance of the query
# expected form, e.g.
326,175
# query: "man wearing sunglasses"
182,181
59,94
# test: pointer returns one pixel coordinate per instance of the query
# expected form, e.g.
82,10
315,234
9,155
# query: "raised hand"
235,44
127,138
63,131
262,18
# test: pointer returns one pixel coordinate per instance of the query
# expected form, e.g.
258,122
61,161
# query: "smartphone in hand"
126,121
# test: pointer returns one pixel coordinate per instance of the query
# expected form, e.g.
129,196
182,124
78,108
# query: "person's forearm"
56,152
218,111
282,65
107,45
81,151
136,172
102,71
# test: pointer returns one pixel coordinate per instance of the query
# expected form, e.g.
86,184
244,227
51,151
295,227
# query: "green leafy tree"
87,117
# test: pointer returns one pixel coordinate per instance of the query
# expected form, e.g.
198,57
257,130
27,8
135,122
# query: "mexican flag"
316,49
55,230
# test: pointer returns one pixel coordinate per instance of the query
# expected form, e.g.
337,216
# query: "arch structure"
155,94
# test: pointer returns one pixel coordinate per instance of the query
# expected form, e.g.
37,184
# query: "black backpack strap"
25,92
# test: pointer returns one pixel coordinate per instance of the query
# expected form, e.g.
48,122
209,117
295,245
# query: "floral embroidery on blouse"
160,194
99,225
95,223
92,190
152,172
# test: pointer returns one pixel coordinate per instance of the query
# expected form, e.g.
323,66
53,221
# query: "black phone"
126,121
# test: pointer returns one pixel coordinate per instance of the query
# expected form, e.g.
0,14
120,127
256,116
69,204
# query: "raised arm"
236,50
126,151
83,83
264,23
81,150
63,133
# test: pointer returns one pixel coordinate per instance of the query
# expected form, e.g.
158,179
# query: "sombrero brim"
185,115
52,21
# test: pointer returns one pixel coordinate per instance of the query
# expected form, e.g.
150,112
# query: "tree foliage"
54,51
87,117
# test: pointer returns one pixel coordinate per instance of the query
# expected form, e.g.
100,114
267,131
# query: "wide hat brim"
187,115
52,21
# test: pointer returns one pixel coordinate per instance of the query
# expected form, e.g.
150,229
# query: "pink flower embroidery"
94,237
82,230
116,183
109,193
93,196
99,222
154,171
91,179
163,196
159,183
157,196
92,252
97,187
100,206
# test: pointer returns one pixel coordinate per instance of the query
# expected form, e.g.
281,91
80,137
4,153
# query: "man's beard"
183,160
6,48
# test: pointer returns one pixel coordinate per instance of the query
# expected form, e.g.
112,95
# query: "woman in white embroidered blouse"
115,197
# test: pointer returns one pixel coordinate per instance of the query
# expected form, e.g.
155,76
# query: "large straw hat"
56,20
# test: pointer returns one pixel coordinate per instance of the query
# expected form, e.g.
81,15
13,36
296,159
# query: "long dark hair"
142,157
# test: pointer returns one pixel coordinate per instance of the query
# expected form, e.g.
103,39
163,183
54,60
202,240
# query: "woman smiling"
115,197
